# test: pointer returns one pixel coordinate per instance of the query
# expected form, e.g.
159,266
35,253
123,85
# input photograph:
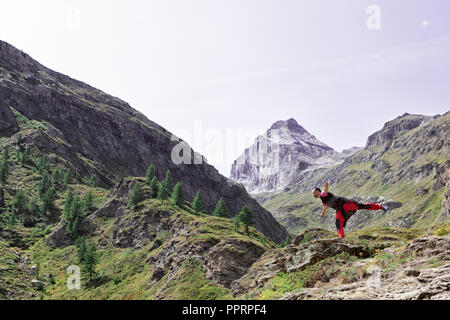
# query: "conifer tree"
150,174
168,181
154,187
20,200
236,223
197,204
90,260
74,217
57,176
5,154
67,203
80,244
221,209
246,217
136,195
43,164
93,181
25,157
11,217
87,256
178,195
163,192
32,206
68,176
4,171
43,185
47,200
87,201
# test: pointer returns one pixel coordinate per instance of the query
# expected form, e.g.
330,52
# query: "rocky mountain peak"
275,157
290,124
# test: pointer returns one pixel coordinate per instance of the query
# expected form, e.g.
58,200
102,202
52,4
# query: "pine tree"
68,176
43,185
90,260
168,181
74,217
80,244
150,174
221,209
20,200
93,181
43,164
178,195
47,200
32,206
246,217
57,176
17,156
163,192
12,218
25,157
87,256
4,171
236,223
136,195
154,187
67,203
5,154
197,204
87,201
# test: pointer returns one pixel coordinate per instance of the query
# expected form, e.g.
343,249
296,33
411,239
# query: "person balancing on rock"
345,208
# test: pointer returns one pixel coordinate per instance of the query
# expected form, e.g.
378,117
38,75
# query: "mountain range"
77,191
404,165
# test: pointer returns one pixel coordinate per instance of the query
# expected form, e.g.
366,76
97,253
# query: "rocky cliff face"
95,133
278,155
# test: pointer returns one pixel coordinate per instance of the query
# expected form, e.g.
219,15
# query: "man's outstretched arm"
325,188
325,207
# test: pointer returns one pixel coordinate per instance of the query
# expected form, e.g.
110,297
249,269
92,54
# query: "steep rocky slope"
172,253
277,156
82,128
161,251
404,165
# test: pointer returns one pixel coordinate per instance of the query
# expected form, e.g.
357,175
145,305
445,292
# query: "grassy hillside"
30,268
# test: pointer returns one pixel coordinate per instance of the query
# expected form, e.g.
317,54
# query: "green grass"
191,284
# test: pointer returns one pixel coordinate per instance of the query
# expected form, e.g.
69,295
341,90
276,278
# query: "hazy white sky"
214,67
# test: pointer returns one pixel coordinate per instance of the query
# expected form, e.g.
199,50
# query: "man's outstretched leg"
372,206
340,221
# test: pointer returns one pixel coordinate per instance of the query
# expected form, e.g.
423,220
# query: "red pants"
348,209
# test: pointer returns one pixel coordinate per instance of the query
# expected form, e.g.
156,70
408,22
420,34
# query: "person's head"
316,192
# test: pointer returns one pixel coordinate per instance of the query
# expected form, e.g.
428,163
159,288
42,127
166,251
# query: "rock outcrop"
426,276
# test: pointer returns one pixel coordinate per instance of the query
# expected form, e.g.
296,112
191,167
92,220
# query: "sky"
217,73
